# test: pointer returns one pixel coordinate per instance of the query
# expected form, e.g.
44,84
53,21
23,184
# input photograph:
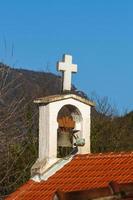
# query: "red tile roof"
82,173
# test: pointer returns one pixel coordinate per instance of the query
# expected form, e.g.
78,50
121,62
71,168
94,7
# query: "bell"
64,139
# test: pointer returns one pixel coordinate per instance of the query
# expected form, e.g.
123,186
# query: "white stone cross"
67,68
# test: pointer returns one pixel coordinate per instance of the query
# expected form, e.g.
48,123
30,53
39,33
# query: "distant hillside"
18,89
29,83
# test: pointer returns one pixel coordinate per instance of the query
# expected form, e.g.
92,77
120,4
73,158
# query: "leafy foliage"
110,132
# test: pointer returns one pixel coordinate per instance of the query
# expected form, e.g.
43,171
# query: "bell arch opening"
69,129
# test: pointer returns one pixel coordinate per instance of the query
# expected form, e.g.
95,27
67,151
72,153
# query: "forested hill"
28,83
19,123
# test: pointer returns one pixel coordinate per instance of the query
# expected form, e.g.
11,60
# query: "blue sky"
98,33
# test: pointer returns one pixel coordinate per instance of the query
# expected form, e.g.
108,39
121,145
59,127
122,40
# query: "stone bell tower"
62,117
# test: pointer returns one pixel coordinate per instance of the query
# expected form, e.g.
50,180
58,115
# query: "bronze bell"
64,139
65,136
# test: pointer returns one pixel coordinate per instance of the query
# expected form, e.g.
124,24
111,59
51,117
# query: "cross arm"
61,66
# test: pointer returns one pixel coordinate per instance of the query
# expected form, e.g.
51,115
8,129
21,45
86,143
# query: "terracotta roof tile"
82,173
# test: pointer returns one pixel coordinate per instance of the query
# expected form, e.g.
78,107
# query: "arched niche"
69,128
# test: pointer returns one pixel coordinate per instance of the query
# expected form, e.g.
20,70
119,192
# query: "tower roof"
54,98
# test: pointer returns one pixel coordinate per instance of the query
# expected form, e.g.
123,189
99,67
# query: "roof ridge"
103,155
